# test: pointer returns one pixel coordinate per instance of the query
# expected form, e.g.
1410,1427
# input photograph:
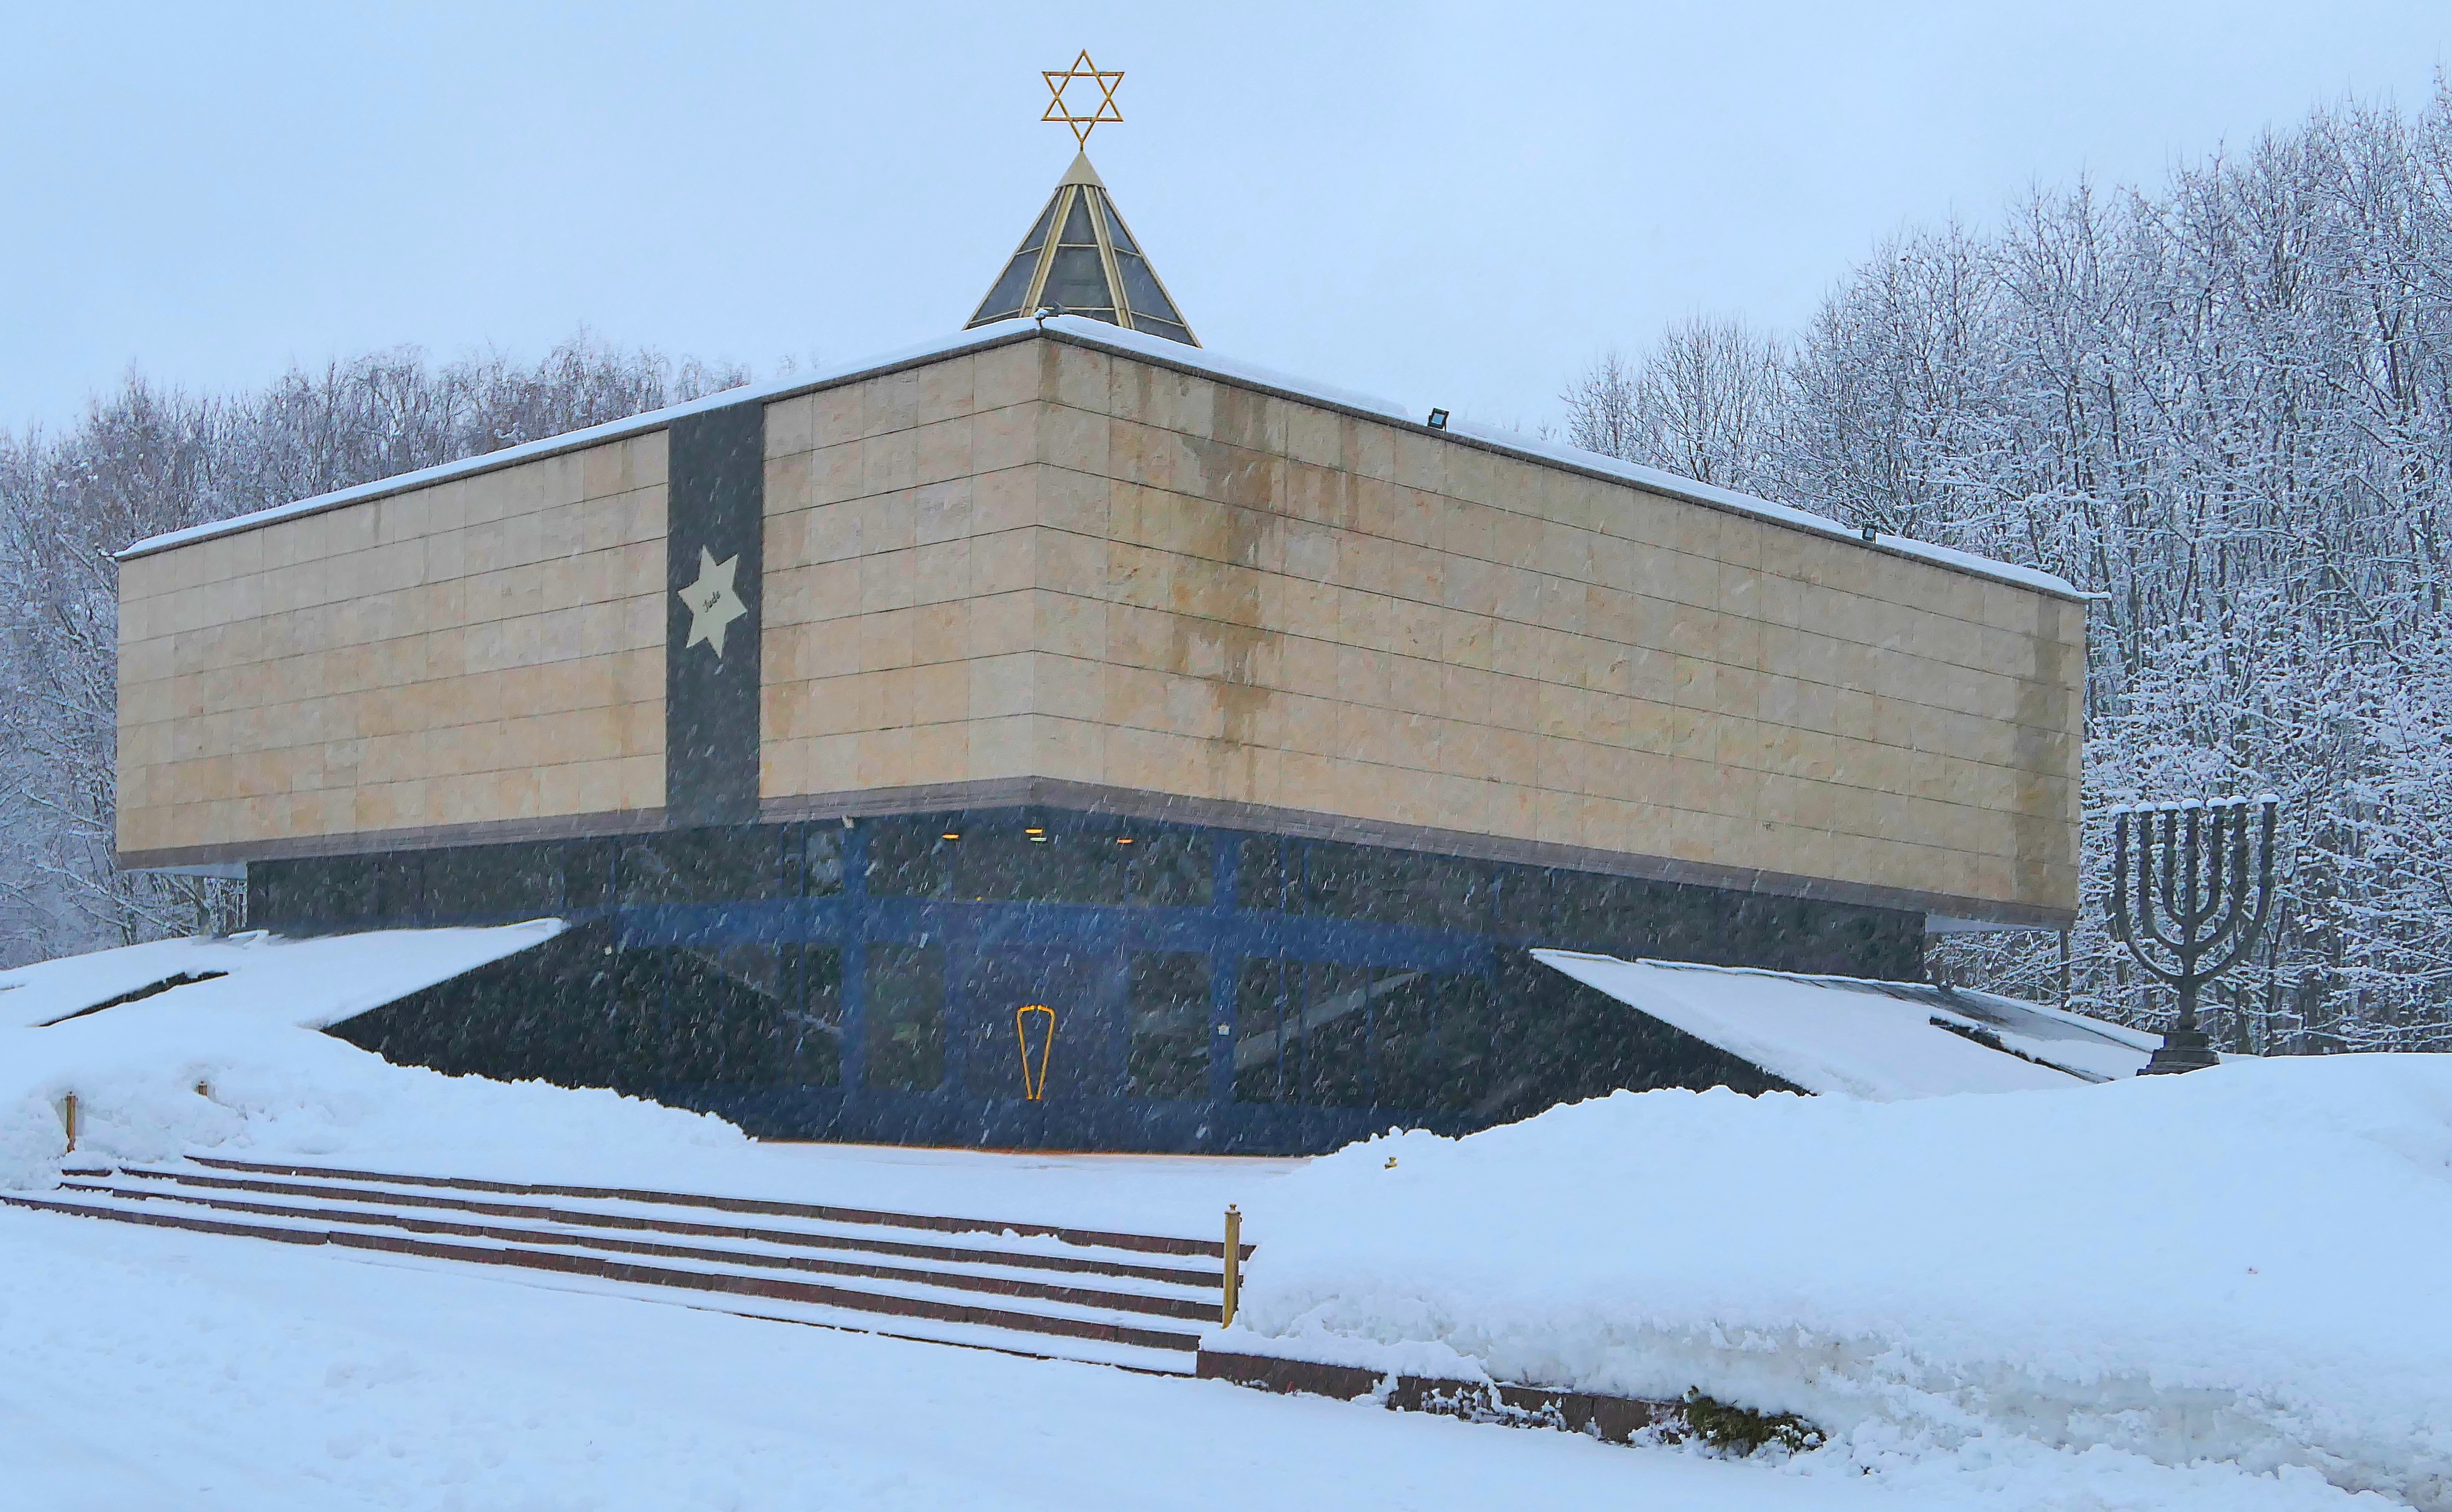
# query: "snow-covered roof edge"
1164,353
2140,1039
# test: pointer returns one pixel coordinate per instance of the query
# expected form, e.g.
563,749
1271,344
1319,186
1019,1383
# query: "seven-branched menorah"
2197,910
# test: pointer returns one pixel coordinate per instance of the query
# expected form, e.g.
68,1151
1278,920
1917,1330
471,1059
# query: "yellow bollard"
1234,1261
68,1116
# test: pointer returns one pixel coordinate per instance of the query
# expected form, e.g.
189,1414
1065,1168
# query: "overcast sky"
1445,205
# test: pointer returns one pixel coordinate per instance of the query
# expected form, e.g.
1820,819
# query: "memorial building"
1063,737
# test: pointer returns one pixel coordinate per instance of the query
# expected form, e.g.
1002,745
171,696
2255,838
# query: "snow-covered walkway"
150,1369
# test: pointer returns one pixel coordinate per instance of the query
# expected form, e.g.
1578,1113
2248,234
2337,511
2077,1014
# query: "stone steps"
1131,1299
1138,1301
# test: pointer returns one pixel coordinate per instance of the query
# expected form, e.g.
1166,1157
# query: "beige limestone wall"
1049,561
901,613
1046,563
484,651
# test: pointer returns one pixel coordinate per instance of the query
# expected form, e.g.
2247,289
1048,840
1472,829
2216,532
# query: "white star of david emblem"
712,602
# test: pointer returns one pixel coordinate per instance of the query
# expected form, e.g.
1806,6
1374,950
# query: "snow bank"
234,1064
2243,1264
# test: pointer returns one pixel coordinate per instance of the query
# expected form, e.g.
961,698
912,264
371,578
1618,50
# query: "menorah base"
2182,1050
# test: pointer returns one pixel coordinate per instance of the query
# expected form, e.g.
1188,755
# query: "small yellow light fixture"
1124,840
950,834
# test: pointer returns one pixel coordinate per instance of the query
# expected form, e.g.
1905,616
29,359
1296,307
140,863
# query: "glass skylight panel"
1077,225
1079,281
1013,285
1005,299
1141,287
1116,231
1046,217
1149,325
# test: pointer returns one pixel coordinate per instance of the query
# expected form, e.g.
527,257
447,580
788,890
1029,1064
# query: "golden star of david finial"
1105,110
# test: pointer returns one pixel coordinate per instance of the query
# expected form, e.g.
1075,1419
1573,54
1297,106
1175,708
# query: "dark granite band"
1943,908
715,518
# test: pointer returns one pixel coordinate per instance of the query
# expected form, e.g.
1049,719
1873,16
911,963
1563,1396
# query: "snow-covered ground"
164,1370
2246,1264
2223,1290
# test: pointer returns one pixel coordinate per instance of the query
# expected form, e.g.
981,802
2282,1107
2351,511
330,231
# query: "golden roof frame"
1126,289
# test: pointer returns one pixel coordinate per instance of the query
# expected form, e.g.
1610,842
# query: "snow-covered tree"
144,460
2226,402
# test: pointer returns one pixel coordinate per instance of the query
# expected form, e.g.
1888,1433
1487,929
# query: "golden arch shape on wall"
1034,1086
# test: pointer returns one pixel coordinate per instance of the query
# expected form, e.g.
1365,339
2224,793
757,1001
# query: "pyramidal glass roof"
1081,260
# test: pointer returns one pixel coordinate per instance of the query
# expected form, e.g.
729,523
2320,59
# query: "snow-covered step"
1135,1300
1070,1264
671,1214
970,1336
1089,1237
1185,1304
902,1302
1128,1291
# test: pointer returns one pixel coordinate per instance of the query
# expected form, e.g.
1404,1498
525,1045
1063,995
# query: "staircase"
1136,1300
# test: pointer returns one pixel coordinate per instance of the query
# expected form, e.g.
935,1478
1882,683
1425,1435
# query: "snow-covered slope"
1881,1040
2246,1264
234,1062
313,983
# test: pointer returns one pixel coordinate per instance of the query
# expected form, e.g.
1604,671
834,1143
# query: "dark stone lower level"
1208,990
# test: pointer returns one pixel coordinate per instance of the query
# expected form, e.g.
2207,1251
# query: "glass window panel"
630,1047
815,1053
1039,232
1260,877
1079,281
1585,910
1334,1028
702,865
1526,906
1168,1053
906,1018
1432,1037
728,1016
1395,886
1148,327
1011,286
1265,992
750,1015
1077,225
822,862
999,860
997,1036
1167,869
910,858
1116,231
1141,291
